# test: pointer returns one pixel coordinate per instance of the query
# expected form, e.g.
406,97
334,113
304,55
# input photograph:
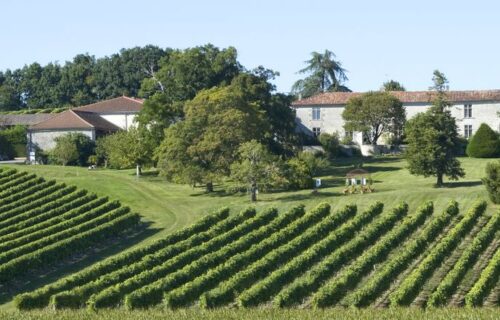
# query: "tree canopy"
432,138
392,85
82,80
374,113
324,73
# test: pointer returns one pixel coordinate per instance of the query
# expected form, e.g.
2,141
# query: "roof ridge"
79,117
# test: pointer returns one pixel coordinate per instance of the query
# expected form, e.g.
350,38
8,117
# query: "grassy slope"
170,206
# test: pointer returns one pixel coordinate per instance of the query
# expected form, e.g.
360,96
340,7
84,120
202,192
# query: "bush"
492,181
13,142
484,144
331,144
72,149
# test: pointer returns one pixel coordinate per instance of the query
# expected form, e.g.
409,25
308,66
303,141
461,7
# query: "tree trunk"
253,191
138,170
210,187
439,182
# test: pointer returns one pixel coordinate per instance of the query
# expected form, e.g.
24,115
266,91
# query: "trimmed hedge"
409,288
381,280
485,143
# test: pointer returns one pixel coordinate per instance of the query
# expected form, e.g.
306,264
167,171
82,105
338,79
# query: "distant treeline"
81,81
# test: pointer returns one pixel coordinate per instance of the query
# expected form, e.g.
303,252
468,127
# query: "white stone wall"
45,139
124,121
331,117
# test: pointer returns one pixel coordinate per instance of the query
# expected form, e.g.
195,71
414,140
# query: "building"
93,120
323,112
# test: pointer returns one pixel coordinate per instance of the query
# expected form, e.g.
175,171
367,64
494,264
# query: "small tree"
126,149
65,151
492,181
374,113
303,168
331,144
484,144
432,138
255,166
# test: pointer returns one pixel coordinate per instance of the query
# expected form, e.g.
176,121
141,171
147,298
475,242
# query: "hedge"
485,143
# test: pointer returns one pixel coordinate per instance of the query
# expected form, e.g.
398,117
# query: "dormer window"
467,110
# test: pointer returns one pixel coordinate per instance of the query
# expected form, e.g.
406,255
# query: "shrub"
331,144
492,181
72,149
484,144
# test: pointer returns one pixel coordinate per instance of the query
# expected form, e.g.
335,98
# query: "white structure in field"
93,120
323,112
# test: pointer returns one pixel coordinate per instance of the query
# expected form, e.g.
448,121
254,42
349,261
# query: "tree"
325,75
181,75
485,143
65,152
492,181
304,167
374,113
256,166
392,85
201,148
330,143
126,149
432,138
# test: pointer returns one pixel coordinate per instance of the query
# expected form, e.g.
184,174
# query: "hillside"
318,259
43,223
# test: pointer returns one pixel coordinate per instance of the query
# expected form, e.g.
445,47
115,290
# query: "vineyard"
318,258
44,222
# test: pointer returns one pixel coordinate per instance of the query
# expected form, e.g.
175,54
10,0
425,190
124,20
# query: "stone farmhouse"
93,120
323,112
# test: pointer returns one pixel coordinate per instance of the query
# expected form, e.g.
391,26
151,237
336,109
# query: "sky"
374,40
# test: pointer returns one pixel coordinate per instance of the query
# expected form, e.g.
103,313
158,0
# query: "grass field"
169,207
236,314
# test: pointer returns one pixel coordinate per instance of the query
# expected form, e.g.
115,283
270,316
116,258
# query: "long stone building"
323,112
93,120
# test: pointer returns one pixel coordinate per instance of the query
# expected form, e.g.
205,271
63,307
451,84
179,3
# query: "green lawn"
170,206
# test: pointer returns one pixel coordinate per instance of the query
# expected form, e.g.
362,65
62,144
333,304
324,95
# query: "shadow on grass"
460,184
301,197
37,278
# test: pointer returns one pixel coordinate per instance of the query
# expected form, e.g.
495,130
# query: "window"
467,131
349,134
467,110
316,131
316,115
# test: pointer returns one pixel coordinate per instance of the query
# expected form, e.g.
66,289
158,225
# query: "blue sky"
374,40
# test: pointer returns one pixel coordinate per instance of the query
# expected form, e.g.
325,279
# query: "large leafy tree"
202,147
374,113
324,73
181,75
432,138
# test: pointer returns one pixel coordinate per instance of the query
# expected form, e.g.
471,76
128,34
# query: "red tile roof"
116,105
75,119
330,98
